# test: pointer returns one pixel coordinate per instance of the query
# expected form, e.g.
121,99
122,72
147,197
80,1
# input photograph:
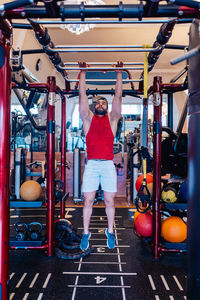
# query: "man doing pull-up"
100,128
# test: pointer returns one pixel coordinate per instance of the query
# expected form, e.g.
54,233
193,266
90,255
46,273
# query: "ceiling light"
80,28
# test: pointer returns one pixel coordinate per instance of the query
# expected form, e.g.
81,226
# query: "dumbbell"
21,229
35,229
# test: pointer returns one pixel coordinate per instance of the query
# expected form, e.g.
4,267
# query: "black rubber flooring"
128,272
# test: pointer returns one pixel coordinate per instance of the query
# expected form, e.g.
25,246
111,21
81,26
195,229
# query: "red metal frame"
157,127
5,100
51,164
63,151
157,94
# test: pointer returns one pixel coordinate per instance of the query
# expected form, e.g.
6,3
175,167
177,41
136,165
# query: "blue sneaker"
85,241
110,239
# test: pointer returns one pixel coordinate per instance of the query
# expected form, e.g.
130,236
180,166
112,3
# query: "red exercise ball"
144,224
174,230
149,179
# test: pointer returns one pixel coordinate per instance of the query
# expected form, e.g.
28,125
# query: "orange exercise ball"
149,179
144,224
174,230
30,190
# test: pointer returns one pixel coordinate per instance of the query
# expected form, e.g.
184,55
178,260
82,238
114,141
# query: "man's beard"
101,112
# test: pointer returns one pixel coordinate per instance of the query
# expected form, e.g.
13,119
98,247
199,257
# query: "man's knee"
89,198
109,199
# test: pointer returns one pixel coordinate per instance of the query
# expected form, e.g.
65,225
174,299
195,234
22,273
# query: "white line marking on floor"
40,296
11,296
28,216
102,239
100,246
20,281
103,217
77,278
99,273
97,228
97,253
11,275
178,283
171,297
100,286
123,290
157,297
100,262
34,280
152,282
46,281
165,282
119,261
25,296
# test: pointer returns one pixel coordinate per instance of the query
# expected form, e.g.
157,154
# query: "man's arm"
84,111
117,100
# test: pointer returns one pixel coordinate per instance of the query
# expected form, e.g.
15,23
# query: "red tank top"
99,139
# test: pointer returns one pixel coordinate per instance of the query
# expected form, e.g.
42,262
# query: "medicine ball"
30,190
144,224
174,230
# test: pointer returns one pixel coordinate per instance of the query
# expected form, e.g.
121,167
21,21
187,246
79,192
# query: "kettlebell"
35,229
21,229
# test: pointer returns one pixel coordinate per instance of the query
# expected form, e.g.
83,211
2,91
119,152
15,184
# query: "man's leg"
110,212
87,210
110,209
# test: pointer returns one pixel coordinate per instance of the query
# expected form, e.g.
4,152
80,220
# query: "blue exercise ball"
183,190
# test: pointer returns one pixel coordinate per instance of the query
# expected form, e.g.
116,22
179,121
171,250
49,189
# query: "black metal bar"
179,75
45,40
29,51
177,47
188,3
193,220
22,26
15,4
97,11
170,110
30,99
133,93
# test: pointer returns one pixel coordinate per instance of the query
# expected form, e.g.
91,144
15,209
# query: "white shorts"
99,172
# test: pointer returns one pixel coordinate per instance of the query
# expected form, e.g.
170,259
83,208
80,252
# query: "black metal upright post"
193,278
170,110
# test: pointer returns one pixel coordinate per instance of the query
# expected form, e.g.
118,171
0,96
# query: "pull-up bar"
106,80
100,69
109,48
105,63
